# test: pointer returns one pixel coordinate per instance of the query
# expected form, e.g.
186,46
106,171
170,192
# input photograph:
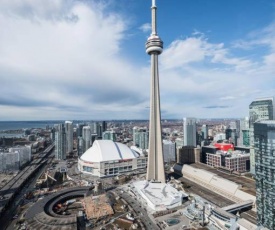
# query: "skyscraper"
79,129
154,46
104,126
69,136
260,109
169,151
86,135
189,131
60,142
244,132
204,130
141,137
109,135
264,133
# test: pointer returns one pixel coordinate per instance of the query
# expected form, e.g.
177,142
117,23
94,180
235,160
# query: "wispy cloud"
145,27
216,107
227,98
65,59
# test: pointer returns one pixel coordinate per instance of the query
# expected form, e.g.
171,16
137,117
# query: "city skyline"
58,57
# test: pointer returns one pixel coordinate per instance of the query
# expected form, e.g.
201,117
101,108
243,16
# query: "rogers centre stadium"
109,158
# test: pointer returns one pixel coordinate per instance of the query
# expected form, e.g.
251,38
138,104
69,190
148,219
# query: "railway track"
11,188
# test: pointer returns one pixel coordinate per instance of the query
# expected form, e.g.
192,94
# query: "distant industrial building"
190,131
264,133
108,158
15,158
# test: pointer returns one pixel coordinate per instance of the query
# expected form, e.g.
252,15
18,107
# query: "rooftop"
107,150
158,193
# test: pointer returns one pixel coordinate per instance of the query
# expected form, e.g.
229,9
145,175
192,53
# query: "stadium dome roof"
107,150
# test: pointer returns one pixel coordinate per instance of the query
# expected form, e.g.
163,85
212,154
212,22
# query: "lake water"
15,125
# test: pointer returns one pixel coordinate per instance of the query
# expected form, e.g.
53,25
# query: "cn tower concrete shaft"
155,165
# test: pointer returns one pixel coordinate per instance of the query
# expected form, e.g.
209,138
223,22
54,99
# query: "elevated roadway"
238,207
13,188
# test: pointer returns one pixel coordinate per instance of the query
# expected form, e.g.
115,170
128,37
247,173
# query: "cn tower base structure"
158,196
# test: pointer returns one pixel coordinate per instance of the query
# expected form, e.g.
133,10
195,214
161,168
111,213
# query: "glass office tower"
259,110
264,143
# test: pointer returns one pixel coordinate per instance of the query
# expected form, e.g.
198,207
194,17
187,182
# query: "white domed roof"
107,150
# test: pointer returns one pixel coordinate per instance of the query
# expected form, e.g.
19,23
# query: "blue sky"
68,59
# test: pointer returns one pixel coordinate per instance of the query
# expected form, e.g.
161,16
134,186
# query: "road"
139,210
7,222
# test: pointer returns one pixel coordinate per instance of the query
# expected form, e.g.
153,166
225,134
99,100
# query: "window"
87,169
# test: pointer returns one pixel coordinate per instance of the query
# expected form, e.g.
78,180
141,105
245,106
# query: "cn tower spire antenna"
155,165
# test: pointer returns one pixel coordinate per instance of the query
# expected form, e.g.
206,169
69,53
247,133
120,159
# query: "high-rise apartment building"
80,144
260,109
169,151
93,127
244,132
69,136
104,126
231,135
189,131
264,133
204,130
60,142
98,128
141,137
109,135
79,129
86,135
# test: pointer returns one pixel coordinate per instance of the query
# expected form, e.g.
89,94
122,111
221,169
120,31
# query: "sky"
86,59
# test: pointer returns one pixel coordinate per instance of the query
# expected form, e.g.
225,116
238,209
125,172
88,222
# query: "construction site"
61,199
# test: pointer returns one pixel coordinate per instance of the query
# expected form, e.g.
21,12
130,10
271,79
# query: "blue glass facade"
264,143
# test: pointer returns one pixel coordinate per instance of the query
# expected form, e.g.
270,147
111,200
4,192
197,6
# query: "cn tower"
155,164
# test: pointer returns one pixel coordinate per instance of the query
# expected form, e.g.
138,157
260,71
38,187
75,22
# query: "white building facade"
108,158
